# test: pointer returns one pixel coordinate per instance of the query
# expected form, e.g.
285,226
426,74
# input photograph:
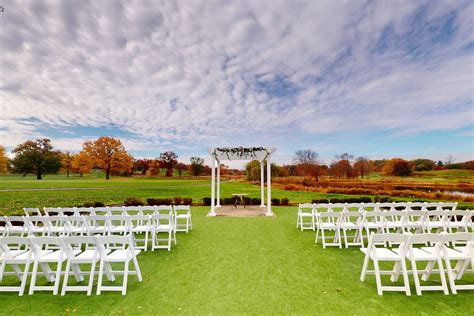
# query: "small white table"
241,196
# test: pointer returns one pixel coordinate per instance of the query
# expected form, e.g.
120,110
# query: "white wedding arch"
220,154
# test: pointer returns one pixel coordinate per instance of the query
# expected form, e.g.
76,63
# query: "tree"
36,157
362,166
154,168
81,163
252,170
449,160
197,166
3,160
66,162
422,164
142,165
168,161
181,167
397,167
108,153
307,161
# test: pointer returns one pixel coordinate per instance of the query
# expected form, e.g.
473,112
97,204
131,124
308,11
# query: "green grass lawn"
246,266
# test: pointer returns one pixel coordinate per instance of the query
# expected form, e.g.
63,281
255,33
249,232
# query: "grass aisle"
246,265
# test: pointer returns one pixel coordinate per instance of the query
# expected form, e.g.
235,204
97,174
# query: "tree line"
38,157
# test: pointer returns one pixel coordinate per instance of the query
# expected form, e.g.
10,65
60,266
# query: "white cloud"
189,74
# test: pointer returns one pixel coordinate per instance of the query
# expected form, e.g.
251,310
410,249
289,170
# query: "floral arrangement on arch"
241,152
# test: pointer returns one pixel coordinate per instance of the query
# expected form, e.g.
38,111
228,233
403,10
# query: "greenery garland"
241,152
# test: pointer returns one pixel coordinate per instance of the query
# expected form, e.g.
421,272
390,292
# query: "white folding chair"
182,213
43,258
3,226
36,225
305,211
162,224
377,254
125,254
141,225
77,259
14,251
329,221
76,226
432,258
463,255
15,226
32,211
56,225
373,220
458,221
163,209
415,220
95,224
118,224
352,221
436,220
394,221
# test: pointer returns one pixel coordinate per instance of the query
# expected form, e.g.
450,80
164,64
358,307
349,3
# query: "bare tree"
308,161
449,160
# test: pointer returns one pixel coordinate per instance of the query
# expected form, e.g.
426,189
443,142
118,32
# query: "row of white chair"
182,213
105,225
412,248
76,251
357,225
309,211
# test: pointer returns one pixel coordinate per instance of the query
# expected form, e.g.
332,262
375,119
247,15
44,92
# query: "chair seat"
183,215
451,253
328,225
140,228
435,224
21,258
418,255
373,225
120,255
306,214
85,256
119,229
54,256
163,228
383,254
393,224
414,224
13,254
350,225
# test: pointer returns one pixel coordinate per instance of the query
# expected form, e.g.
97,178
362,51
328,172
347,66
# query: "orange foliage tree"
3,160
397,167
66,162
81,163
109,154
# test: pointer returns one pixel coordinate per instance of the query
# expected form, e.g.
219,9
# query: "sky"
372,78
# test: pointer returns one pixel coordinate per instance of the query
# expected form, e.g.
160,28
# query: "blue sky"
373,78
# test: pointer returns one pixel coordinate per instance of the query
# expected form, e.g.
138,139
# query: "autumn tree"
397,167
422,164
168,161
154,168
66,162
181,167
36,157
142,165
109,154
308,162
252,170
3,160
197,166
362,166
342,166
81,163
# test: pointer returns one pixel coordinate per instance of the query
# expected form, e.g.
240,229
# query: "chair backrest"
140,220
32,211
388,237
182,208
162,219
58,221
44,242
416,239
118,220
165,208
333,217
51,211
458,237
72,243
450,206
33,223
302,207
14,221
73,222
119,242
349,216
12,242
148,209
3,226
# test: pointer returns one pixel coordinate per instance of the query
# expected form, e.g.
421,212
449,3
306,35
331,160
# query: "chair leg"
101,275
125,278
91,278
33,278
364,267
415,276
317,234
57,278
137,269
406,282
66,277
442,277
24,278
323,238
378,280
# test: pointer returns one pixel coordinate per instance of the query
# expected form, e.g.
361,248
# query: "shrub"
382,199
168,201
247,200
228,201
187,201
88,204
320,201
276,201
98,204
256,201
365,199
285,201
177,200
206,201
152,201
133,201
335,200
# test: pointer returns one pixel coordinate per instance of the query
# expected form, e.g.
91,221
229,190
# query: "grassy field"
225,265
17,192
246,266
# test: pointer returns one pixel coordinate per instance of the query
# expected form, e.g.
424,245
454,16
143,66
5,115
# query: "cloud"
189,75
